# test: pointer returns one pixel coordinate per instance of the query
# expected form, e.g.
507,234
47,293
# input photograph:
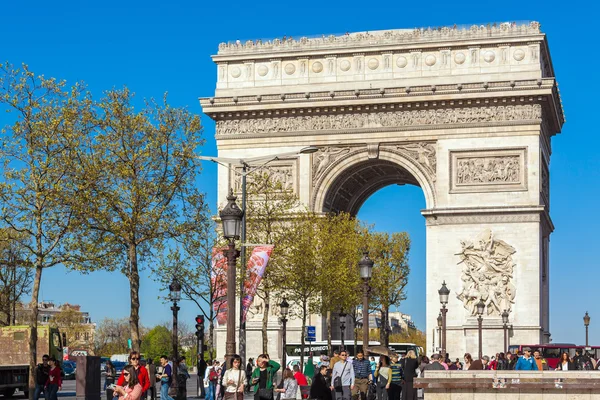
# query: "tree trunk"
302,337
386,323
329,346
265,323
211,332
33,327
134,292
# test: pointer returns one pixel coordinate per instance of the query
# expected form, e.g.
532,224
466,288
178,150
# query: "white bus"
320,348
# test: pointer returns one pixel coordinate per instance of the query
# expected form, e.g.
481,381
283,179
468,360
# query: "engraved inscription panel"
494,170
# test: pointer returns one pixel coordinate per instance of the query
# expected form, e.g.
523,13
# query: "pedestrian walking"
411,366
373,365
468,360
166,378
435,365
335,359
342,378
151,368
501,362
235,380
582,362
111,374
299,376
512,360
54,382
131,389
394,385
526,362
382,374
41,377
249,368
362,376
263,377
319,389
542,364
139,370
480,365
211,378
289,389
424,362
182,376
565,364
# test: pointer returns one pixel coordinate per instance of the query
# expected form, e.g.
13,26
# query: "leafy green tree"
157,342
136,177
111,337
390,274
35,189
269,208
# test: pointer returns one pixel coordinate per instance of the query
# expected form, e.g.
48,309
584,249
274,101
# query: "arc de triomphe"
467,114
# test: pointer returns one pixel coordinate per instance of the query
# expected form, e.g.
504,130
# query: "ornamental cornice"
486,215
248,106
381,38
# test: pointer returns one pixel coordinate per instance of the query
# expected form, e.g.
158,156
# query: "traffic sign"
311,333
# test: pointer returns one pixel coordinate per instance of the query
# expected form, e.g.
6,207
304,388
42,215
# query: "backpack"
213,375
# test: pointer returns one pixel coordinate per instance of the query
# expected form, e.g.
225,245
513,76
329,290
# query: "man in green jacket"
263,377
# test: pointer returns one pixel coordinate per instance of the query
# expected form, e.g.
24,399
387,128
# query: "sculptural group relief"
487,274
488,170
281,173
442,116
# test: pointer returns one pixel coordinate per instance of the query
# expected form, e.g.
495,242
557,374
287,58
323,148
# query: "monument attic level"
467,114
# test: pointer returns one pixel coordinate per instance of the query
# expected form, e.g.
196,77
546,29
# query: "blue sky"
153,47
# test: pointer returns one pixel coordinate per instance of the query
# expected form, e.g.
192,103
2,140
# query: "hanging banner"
218,278
257,264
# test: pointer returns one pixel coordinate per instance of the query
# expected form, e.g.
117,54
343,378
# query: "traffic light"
199,326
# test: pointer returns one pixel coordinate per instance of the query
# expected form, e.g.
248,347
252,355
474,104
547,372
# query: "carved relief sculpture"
324,157
380,119
488,170
423,153
282,174
487,274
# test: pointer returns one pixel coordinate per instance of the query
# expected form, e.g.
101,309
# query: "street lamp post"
365,266
175,296
342,328
586,322
283,309
505,323
439,323
444,294
231,217
247,169
480,310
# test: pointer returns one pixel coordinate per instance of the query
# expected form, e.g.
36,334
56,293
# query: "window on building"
86,336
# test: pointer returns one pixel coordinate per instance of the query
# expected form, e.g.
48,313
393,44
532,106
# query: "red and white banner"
218,277
257,264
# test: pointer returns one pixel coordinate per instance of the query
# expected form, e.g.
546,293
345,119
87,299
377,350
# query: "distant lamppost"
365,266
444,294
259,163
231,217
175,296
342,328
586,322
283,310
505,323
439,323
480,310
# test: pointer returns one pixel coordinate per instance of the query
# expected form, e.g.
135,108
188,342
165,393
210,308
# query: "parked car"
119,365
69,369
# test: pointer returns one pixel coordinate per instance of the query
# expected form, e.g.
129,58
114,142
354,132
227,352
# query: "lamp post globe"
505,317
480,307
231,216
444,293
439,320
365,266
175,290
284,308
505,326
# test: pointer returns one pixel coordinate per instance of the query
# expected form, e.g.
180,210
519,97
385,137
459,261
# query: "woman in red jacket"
54,382
140,370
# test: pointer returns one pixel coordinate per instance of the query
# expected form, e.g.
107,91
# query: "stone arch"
349,181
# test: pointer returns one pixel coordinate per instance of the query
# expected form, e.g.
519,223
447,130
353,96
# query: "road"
68,389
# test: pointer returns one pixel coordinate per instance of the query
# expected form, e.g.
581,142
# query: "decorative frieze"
324,158
424,154
441,116
487,274
488,170
284,173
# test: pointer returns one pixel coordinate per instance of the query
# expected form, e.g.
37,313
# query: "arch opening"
352,187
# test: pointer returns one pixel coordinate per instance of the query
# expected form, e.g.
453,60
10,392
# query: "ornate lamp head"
231,216
444,293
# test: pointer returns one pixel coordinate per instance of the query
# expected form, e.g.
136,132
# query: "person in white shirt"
234,380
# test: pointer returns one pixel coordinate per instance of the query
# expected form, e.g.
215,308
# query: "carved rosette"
389,119
487,274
